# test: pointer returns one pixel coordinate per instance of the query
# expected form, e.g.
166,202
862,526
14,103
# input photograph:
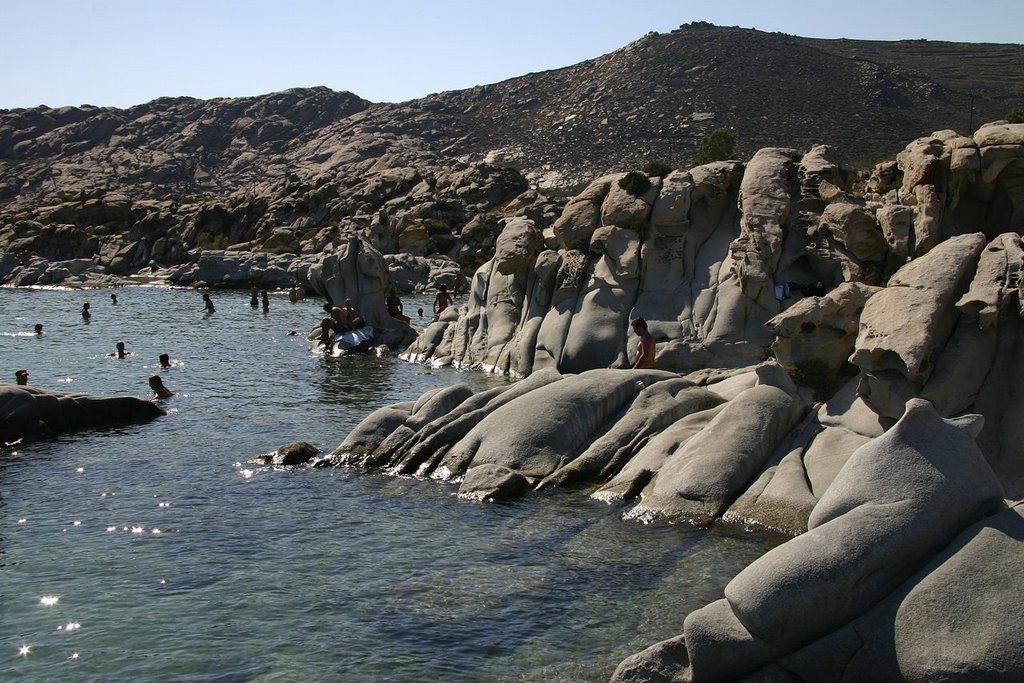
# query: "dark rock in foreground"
31,413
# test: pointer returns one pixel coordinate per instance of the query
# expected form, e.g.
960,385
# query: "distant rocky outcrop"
883,437
92,193
31,413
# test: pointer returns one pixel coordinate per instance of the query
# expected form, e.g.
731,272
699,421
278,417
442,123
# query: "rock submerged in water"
32,413
290,455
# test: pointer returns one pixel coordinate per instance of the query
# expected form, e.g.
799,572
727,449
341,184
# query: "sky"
126,52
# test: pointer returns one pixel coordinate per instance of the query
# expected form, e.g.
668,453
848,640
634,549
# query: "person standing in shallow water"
266,300
209,303
85,312
113,298
645,347
253,296
441,301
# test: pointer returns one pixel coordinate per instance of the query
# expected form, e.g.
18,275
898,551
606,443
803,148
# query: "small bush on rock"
718,145
1016,116
658,168
635,183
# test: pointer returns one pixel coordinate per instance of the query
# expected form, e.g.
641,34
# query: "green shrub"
471,260
658,168
635,183
718,145
1016,116
210,242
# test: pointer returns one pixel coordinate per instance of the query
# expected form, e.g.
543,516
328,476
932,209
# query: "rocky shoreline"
835,361
883,436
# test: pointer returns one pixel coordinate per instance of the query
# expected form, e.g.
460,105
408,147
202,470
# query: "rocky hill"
274,172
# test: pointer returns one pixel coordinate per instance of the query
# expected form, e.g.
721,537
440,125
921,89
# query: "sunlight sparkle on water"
74,655
111,528
80,470
49,600
137,529
22,520
70,626
24,651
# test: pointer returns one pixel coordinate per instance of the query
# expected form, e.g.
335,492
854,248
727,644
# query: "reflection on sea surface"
162,553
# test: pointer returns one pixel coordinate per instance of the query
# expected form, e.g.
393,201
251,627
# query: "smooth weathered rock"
293,454
31,413
902,326
538,432
703,478
492,483
952,620
653,410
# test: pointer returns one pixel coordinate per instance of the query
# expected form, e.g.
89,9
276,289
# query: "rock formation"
357,271
884,436
30,413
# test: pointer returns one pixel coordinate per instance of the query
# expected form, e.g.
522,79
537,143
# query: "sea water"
158,551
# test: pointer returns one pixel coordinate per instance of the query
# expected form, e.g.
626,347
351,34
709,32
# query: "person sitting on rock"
85,312
120,353
21,377
645,347
337,318
157,385
333,323
394,304
354,317
441,301
208,303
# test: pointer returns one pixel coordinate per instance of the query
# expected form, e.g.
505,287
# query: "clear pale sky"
126,52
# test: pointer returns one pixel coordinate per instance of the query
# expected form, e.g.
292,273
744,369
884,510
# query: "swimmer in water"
209,303
120,353
21,377
165,360
39,329
157,385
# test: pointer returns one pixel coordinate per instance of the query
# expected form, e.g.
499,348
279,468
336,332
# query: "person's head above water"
39,328
21,377
165,360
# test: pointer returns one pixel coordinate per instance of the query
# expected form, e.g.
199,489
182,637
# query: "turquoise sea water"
156,552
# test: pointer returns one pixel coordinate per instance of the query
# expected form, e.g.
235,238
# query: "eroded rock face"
357,271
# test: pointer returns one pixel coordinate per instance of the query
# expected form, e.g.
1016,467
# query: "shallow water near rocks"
156,551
